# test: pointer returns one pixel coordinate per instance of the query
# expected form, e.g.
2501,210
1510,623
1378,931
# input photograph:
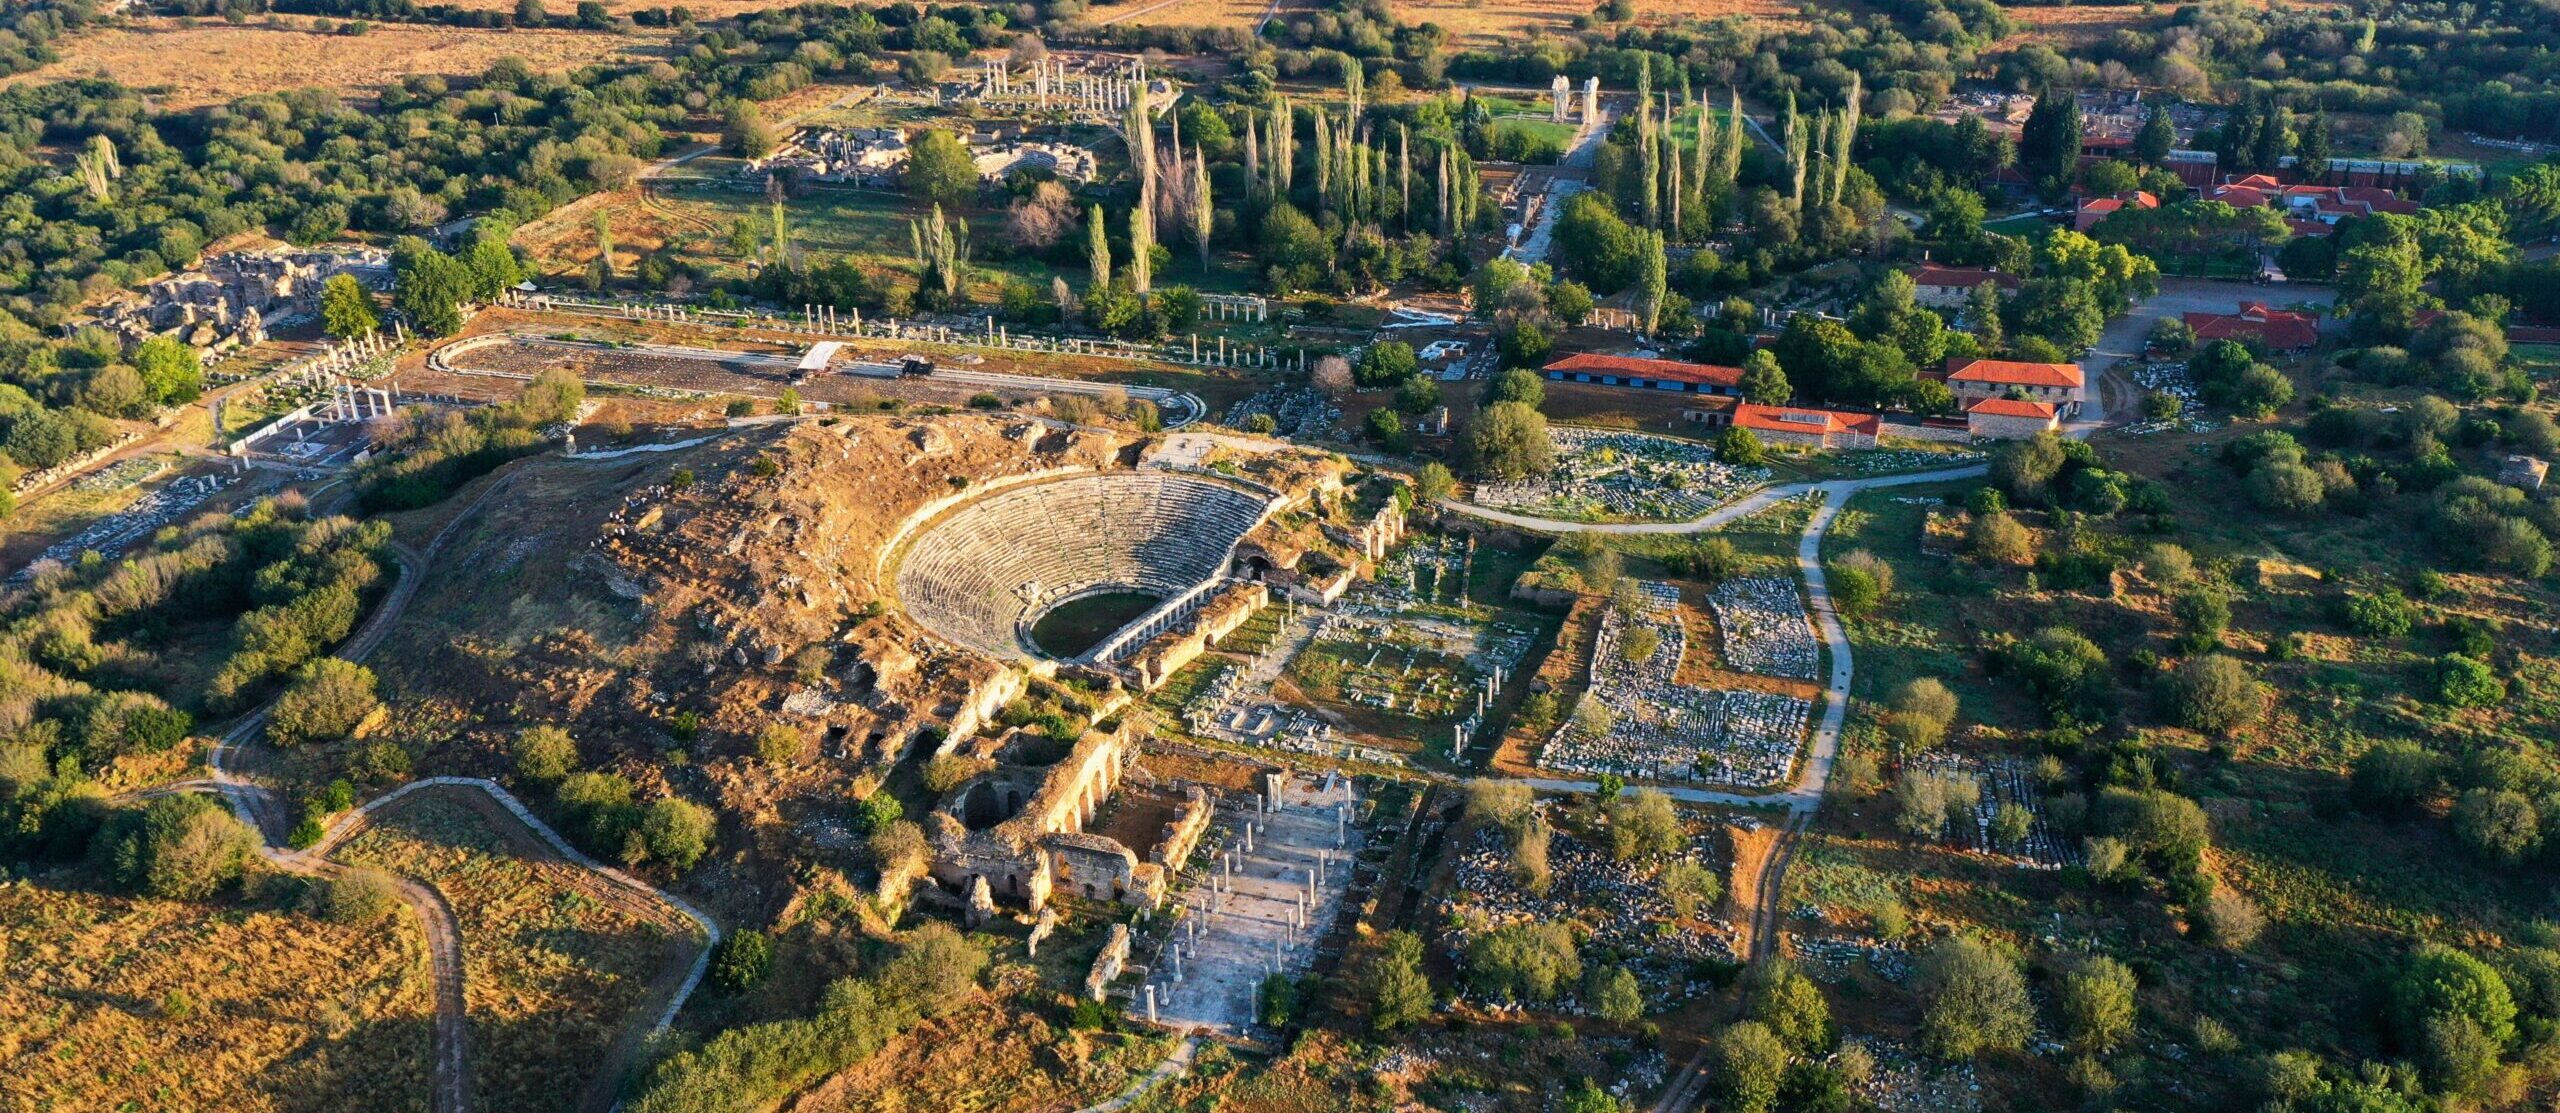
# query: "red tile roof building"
2273,329
1808,428
2059,383
1949,287
2009,419
2091,210
1646,374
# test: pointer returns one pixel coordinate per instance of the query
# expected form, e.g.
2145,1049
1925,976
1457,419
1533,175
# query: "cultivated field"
213,63
113,1002
557,962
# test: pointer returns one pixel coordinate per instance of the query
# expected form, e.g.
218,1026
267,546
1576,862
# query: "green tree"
346,310
1509,441
1740,447
2213,694
1526,962
1763,381
1399,992
1516,385
939,169
2462,681
2441,982
180,847
171,372
1975,999
676,831
327,700
1690,887
1780,996
1433,483
545,754
1750,1062
1384,364
744,131
2501,825
742,961
1614,995
2096,1005
428,287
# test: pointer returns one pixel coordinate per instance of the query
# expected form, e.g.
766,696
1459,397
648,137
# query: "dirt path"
258,804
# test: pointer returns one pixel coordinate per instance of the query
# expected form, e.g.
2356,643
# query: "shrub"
1996,538
2394,776
779,743
1779,996
1976,999
545,754
743,960
1690,887
360,897
2467,682
327,700
2500,825
1614,996
180,847
2096,1003
2212,694
2382,614
676,831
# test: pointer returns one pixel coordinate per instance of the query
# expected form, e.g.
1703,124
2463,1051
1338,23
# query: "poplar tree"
1098,248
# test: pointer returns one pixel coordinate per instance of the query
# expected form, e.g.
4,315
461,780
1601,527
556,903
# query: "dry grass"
996,1055
1484,22
212,62
110,1002
555,961
1469,22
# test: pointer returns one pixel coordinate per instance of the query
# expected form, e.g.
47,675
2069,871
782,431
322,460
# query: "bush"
1779,996
1976,999
2383,614
327,700
1385,364
1997,538
360,897
1741,448
778,743
743,961
676,831
180,847
2467,682
2097,1006
2212,694
2394,776
545,754
1526,962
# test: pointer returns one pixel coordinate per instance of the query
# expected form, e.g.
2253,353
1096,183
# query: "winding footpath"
258,806
1804,797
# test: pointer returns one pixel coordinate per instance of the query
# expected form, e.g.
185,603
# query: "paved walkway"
1805,795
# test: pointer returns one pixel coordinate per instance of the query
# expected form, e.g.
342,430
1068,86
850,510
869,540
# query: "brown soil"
1744,886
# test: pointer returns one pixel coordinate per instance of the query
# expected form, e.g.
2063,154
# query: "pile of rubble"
1830,958
1605,474
1622,903
1297,412
1764,626
2003,780
111,535
1662,729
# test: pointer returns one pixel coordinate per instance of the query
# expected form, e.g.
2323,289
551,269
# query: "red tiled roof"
2311,228
1784,419
1665,370
1931,274
2241,197
2280,331
2010,372
2012,407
